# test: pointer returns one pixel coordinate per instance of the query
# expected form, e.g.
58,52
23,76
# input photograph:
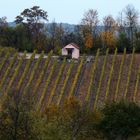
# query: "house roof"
74,45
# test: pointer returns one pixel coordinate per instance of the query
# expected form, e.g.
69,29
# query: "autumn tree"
108,40
17,117
89,27
89,40
71,121
75,117
34,20
109,24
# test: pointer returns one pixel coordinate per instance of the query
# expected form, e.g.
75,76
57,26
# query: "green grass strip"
129,74
100,80
56,82
41,75
46,85
65,83
12,61
26,69
16,71
136,85
76,77
92,75
110,75
120,73
35,67
4,60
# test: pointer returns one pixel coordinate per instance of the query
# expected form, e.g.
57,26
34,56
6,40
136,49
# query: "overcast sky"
67,11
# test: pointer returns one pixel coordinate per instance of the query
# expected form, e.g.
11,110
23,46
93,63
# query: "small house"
71,50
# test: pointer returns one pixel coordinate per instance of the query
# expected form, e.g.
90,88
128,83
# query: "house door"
70,52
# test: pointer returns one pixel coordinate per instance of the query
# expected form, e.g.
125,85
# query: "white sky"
67,11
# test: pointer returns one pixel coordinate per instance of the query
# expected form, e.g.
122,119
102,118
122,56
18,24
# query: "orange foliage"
71,106
52,112
89,40
108,39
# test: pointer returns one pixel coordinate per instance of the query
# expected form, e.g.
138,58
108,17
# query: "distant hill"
67,27
12,24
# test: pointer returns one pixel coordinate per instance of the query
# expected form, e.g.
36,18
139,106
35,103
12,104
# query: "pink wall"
75,53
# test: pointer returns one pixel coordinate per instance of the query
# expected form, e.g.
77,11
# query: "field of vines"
107,78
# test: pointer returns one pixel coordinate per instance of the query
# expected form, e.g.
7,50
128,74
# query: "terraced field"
106,78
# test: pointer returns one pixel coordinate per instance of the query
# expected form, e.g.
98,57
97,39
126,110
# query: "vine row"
100,80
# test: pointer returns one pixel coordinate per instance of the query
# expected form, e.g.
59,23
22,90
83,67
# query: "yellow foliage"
71,103
89,40
109,39
52,112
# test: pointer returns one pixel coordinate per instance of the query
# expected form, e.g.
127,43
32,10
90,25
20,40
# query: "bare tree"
121,22
109,23
3,21
131,20
91,20
131,15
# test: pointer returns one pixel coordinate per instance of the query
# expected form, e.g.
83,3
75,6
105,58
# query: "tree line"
31,32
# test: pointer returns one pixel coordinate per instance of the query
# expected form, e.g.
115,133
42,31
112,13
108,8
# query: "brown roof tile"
75,45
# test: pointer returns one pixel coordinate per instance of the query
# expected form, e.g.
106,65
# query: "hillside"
52,81
70,28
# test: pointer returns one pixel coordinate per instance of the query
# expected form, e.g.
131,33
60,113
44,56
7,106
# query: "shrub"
120,120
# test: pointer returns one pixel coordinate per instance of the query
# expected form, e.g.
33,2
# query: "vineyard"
107,78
